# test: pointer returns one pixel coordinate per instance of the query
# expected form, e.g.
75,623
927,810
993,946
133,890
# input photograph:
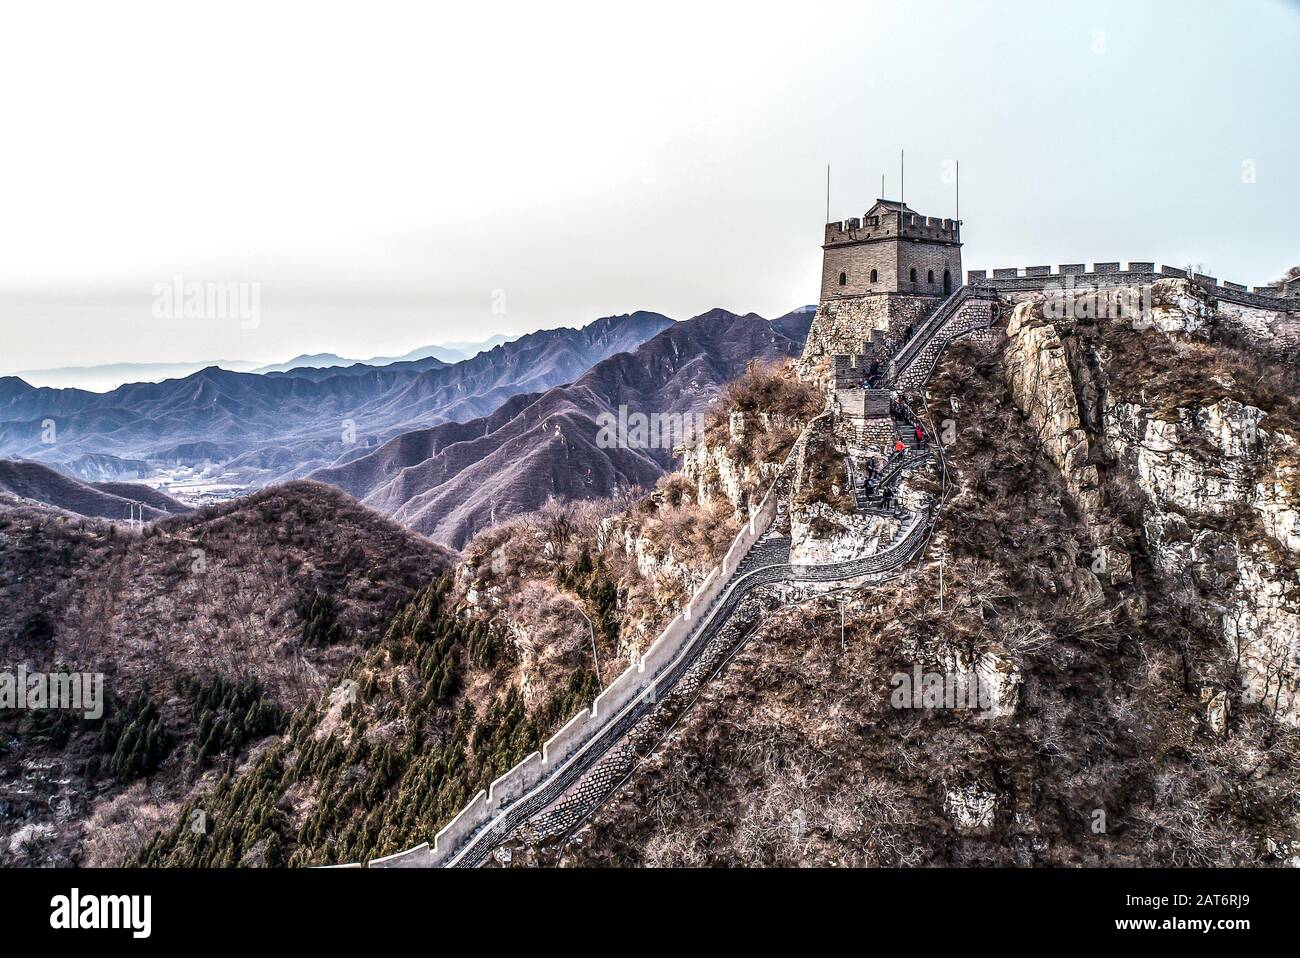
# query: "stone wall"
1033,279
967,312
928,258
637,681
844,326
862,403
892,262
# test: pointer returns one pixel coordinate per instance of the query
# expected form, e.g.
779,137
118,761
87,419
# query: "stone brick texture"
897,246
844,326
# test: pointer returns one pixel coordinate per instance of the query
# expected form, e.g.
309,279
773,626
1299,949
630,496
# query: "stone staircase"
966,310
914,454
772,549
911,349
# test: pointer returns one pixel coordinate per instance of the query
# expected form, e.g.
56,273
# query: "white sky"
381,170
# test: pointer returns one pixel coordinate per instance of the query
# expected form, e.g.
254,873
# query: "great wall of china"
584,762
754,559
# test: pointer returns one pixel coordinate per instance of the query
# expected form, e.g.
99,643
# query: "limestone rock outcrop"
1218,478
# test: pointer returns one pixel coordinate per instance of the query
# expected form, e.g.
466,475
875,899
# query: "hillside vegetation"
209,628
104,500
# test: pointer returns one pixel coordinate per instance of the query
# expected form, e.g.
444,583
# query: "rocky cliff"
1187,423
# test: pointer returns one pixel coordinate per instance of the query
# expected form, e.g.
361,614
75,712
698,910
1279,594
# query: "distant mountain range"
280,425
448,354
444,449
109,376
452,480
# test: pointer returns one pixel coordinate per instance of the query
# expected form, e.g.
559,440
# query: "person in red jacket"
899,448
920,435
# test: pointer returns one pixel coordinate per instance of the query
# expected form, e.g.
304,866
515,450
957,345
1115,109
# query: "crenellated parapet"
1278,296
892,225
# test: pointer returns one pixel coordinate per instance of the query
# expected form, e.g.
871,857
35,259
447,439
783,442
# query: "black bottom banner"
336,908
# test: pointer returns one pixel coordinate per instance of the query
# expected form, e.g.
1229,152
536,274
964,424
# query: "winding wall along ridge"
492,815
498,830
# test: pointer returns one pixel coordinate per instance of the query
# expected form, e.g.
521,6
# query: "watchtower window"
873,275
843,278
913,274
929,276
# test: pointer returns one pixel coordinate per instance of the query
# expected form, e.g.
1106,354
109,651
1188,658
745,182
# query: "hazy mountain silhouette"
300,419
451,480
446,354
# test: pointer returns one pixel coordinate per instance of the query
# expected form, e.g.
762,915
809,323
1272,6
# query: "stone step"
765,552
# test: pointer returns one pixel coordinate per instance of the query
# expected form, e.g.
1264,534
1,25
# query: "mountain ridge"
315,417
38,483
451,480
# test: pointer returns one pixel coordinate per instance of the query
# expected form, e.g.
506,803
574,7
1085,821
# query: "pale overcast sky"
390,173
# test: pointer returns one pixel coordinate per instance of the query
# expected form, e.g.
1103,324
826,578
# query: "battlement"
848,371
892,225
1036,278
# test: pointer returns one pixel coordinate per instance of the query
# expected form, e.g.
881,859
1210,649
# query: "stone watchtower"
885,272
892,249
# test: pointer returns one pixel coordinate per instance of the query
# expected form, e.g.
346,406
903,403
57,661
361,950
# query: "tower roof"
890,206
